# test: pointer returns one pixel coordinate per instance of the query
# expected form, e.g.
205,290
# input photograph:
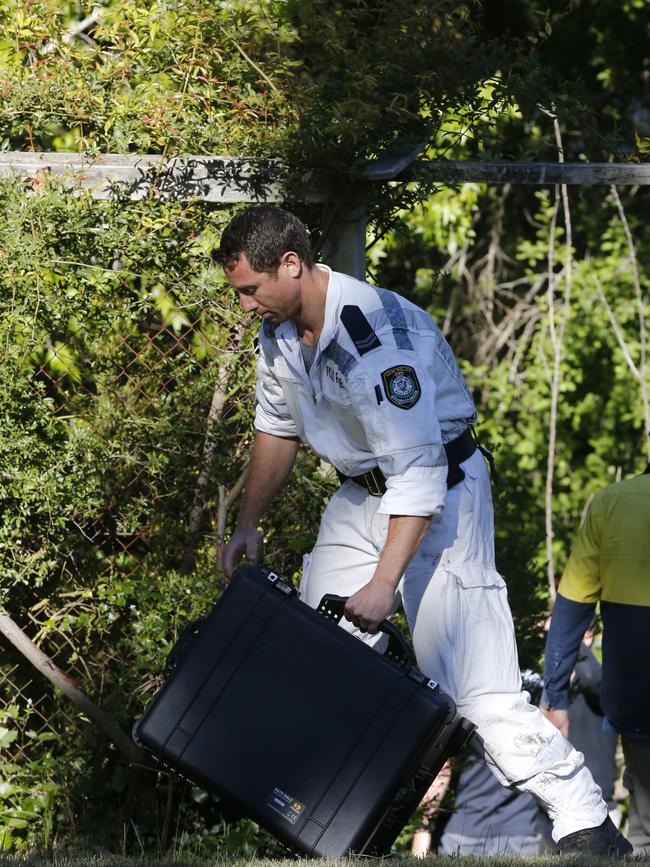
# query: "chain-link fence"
126,419
127,394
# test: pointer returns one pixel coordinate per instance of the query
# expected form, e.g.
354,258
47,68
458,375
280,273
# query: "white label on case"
288,807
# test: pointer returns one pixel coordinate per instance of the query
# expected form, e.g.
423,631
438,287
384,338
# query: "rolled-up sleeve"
405,439
272,415
418,491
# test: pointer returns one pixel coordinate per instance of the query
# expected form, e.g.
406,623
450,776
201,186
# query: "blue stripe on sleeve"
393,310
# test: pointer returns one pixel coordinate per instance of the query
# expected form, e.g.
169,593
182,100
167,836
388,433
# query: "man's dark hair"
263,233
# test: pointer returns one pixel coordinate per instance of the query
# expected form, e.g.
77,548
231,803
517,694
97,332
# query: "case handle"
399,650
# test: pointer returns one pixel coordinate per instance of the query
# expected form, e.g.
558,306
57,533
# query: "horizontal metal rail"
538,174
211,179
238,179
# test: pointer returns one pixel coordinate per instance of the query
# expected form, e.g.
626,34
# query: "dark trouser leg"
637,781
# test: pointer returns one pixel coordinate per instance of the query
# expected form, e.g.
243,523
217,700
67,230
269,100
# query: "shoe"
605,839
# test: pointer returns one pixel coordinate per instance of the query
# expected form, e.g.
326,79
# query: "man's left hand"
370,606
559,717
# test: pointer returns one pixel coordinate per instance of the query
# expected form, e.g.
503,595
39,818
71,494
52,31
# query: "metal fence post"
344,246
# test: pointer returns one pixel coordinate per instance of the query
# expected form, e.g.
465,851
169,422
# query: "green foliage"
323,86
489,290
152,77
76,859
116,328
28,790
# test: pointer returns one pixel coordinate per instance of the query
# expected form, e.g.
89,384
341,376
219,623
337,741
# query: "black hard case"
325,742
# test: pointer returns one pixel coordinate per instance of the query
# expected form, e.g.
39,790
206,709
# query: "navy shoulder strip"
359,329
268,328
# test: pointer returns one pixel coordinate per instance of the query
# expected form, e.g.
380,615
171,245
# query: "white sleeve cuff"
274,425
418,491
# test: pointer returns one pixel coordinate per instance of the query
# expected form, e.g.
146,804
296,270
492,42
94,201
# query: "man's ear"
292,262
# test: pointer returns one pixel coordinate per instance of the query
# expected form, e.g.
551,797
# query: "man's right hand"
559,717
245,542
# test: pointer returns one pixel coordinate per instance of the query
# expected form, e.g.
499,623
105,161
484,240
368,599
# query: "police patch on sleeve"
401,386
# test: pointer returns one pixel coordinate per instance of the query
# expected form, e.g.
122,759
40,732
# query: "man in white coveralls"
368,381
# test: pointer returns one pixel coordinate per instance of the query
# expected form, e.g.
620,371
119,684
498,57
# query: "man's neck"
310,320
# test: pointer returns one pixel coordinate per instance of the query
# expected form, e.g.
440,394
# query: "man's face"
275,297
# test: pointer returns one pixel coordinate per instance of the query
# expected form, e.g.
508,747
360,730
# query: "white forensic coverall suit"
390,398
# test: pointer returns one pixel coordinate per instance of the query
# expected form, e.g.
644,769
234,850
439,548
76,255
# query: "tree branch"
68,687
557,342
643,339
219,396
618,331
225,502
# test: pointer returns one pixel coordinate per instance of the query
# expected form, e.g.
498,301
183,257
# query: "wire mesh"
96,577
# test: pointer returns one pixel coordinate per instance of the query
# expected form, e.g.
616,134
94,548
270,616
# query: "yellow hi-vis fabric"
610,559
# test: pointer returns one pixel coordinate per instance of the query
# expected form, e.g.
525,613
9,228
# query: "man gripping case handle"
367,380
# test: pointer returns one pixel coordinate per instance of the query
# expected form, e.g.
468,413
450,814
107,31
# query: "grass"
94,860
